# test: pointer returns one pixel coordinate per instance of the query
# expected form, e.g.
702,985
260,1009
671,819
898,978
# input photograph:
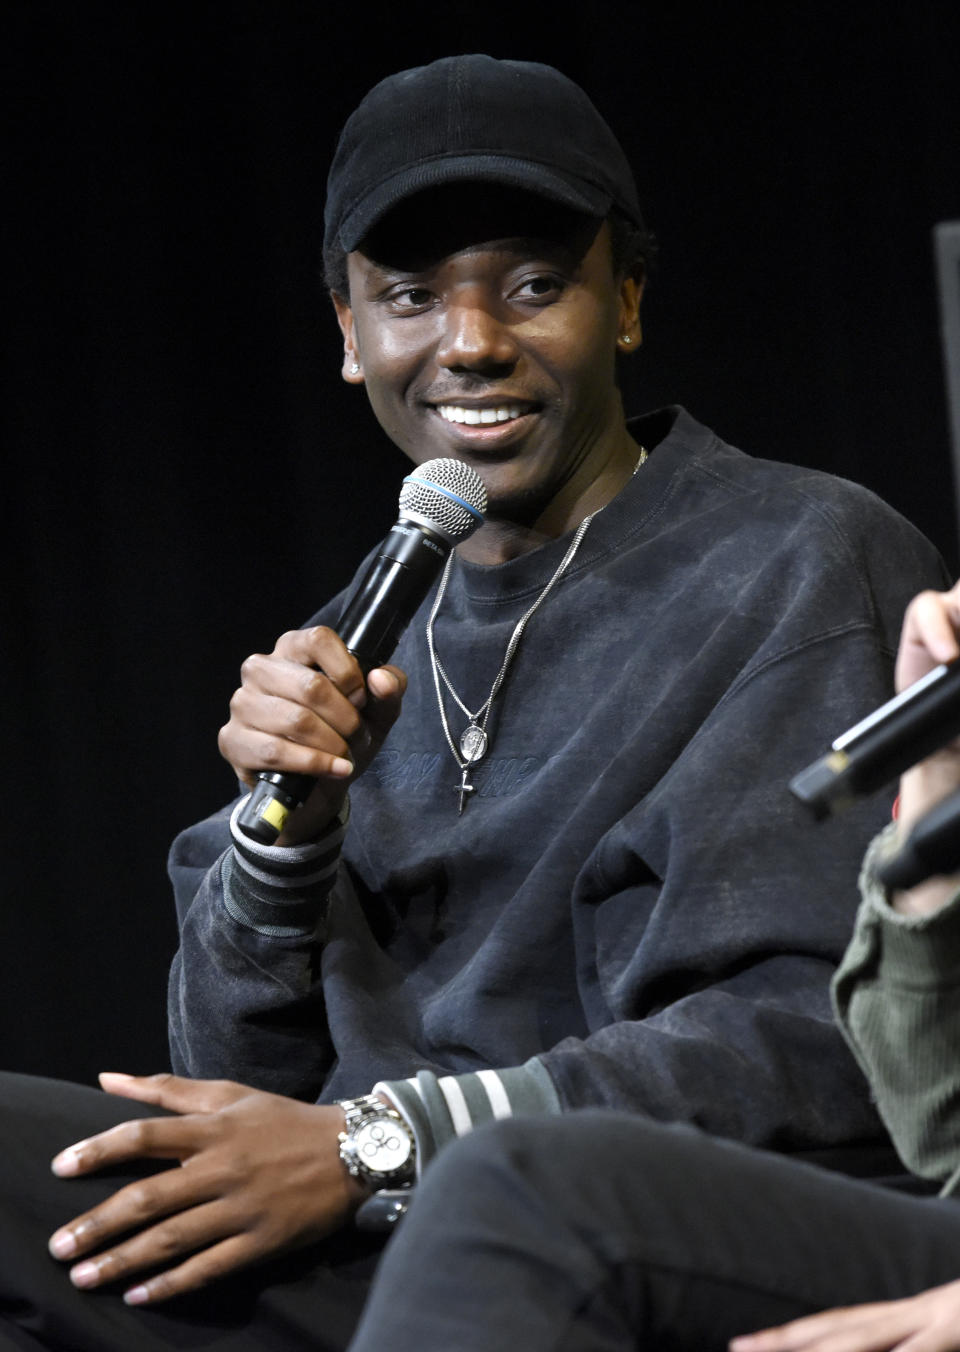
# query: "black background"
185,475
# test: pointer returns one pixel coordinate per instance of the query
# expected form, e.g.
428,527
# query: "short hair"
633,249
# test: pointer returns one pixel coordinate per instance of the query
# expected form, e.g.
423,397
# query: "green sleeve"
897,998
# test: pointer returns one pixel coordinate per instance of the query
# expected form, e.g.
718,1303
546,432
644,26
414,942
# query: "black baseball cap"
474,119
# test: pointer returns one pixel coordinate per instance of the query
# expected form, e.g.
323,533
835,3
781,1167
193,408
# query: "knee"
558,1158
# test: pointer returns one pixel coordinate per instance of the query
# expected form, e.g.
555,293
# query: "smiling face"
496,346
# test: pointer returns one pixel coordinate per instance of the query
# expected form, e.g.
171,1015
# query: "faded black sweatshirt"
632,910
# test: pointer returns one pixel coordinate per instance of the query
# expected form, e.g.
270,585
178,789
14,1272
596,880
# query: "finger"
140,1138
859,1328
388,685
174,1092
251,752
284,731
320,647
931,1340
929,635
186,1232
135,1207
302,682
799,1333
287,700
197,1272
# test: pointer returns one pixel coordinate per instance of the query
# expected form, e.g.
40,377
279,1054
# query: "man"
604,896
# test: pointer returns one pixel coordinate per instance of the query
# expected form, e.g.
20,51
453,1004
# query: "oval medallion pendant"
473,743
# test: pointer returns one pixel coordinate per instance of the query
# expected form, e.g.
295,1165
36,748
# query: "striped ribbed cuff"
440,1108
280,890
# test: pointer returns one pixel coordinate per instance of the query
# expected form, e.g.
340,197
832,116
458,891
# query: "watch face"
382,1145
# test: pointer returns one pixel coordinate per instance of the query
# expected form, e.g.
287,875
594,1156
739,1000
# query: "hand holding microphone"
913,733
301,721
929,820
304,711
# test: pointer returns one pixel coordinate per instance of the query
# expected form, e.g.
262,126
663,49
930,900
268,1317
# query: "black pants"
310,1299
591,1231
598,1232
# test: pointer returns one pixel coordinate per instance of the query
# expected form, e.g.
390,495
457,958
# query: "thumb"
388,686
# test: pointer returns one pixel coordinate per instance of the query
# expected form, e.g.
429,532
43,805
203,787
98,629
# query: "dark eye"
411,298
543,286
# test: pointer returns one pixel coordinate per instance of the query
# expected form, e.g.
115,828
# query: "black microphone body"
919,720
433,518
391,591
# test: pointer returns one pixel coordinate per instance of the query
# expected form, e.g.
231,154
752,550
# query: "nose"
476,339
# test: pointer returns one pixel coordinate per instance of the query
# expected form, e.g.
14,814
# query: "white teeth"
474,416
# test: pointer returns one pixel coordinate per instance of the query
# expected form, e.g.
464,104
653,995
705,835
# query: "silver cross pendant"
465,788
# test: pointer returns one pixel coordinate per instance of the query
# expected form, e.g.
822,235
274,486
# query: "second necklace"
474,740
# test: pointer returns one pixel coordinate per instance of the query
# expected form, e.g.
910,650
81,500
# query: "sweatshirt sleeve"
897,998
710,921
245,998
440,1108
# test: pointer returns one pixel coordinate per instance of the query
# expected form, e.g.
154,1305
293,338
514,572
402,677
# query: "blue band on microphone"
461,502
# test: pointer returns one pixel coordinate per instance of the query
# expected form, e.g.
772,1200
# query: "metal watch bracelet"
376,1146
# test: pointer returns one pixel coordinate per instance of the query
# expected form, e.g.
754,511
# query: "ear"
629,333
352,369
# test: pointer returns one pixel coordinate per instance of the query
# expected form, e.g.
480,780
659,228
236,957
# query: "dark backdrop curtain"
185,475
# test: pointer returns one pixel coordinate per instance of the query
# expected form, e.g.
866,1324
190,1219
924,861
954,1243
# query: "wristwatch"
376,1144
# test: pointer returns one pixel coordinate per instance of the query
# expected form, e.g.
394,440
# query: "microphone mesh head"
446,496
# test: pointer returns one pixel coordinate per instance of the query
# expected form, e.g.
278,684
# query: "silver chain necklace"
474,740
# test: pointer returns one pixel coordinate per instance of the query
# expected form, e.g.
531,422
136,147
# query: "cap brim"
539,179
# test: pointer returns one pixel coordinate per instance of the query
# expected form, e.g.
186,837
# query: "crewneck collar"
671,436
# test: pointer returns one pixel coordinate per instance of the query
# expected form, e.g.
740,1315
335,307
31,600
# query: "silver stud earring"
626,338
354,368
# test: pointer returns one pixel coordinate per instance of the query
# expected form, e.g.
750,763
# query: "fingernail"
63,1244
340,766
68,1161
137,1295
358,698
388,683
85,1274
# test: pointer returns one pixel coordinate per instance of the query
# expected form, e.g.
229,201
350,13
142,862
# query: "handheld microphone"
921,719
441,503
